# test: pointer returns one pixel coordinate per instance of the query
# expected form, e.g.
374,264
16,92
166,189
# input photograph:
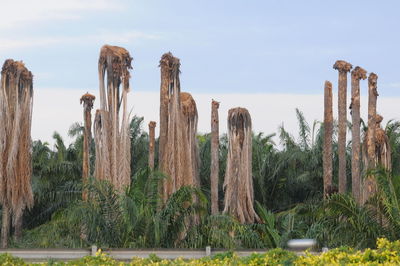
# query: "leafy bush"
387,253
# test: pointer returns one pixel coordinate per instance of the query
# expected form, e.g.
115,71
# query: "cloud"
18,13
99,38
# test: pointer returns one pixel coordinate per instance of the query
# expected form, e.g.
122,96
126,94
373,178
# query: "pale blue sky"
224,46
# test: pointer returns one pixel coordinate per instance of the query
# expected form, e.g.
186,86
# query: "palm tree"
16,101
328,127
343,67
152,144
111,136
357,74
87,100
214,156
238,184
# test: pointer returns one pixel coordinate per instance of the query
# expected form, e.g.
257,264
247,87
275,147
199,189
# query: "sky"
268,56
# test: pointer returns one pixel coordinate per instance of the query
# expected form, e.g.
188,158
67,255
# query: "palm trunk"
357,74
5,226
87,100
111,136
18,227
16,103
328,127
152,126
238,184
214,157
165,65
369,186
343,67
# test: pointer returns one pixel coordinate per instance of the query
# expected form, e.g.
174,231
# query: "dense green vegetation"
287,173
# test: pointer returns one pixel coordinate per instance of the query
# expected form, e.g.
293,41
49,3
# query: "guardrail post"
94,250
208,251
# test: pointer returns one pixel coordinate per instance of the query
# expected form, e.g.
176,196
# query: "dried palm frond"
178,129
111,135
238,184
16,102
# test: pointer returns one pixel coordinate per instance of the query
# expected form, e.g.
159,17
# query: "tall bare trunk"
152,141
214,156
87,100
369,186
18,227
357,74
179,156
5,226
189,124
328,128
343,67
165,65
112,137
16,103
238,184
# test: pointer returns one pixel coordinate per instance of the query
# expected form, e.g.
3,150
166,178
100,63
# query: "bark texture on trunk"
16,103
383,152
166,68
238,184
343,67
214,171
113,149
87,100
18,224
328,129
189,124
369,185
356,75
180,154
5,226
152,142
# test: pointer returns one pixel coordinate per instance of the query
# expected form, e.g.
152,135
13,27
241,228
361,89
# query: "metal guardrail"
40,255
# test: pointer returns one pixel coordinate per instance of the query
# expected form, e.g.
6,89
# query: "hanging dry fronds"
238,184
178,144
190,118
382,146
16,102
87,100
111,134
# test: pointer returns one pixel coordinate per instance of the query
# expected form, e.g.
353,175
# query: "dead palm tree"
357,74
189,123
369,185
16,101
238,184
178,144
112,136
343,67
214,156
152,144
166,67
87,100
328,131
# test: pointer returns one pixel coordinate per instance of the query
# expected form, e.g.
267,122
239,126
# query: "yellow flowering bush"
386,253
